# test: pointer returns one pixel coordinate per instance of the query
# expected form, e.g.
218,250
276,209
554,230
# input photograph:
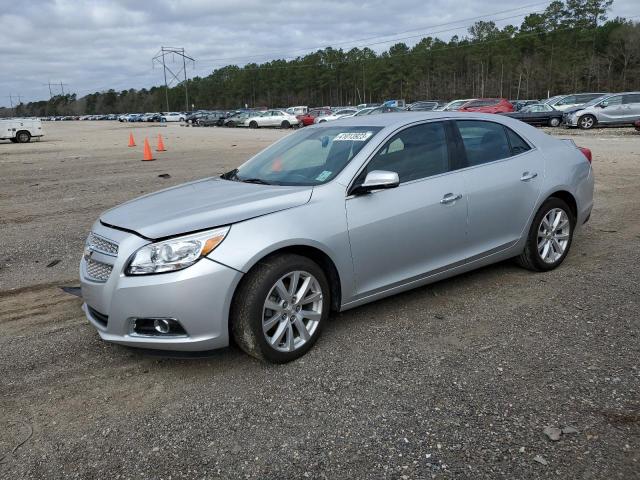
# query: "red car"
637,125
310,116
487,105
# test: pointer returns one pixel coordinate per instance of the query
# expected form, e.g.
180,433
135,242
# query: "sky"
95,45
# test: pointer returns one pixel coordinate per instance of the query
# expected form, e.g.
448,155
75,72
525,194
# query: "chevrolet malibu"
329,218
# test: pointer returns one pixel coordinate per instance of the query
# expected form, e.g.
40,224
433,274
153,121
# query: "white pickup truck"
20,130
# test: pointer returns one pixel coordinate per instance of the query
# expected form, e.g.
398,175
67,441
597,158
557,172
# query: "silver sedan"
326,219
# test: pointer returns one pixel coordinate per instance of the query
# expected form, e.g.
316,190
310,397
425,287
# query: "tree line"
570,47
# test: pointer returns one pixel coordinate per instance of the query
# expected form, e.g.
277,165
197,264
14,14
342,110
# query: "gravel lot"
454,380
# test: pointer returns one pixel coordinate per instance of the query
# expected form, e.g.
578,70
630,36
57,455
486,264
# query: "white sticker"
352,137
323,176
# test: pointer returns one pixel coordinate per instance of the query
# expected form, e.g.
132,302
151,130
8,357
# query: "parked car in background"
335,115
327,219
567,102
367,105
151,117
20,130
238,118
310,117
454,105
172,117
385,109
611,109
299,110
423,106
487,105
210,119
520,104
273,118
636,124
538,114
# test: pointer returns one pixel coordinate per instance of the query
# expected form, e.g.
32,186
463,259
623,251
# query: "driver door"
401,234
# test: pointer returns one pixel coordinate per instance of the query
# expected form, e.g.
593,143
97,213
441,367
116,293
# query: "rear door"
400,234
502,181
631,103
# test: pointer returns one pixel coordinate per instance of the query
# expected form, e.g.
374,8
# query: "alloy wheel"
292,311
554,233
586,122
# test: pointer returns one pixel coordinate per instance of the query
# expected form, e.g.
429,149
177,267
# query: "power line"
350,42
179,51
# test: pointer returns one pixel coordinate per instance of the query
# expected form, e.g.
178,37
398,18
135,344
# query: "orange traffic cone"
147,152
160,147
132,142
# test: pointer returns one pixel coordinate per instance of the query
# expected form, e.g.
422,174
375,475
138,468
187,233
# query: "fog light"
161,325
156,327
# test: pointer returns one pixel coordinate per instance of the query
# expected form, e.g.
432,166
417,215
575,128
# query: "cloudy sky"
95,45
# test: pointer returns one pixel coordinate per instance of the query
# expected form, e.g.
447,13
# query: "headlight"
175,254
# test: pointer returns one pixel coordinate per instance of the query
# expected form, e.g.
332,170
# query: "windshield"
312,156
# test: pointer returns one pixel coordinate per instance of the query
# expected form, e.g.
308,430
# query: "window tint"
518,145
632,98
483,141
416,152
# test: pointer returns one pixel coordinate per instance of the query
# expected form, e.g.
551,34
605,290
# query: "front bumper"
198,297
570,120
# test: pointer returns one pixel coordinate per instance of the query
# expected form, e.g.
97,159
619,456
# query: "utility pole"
160,59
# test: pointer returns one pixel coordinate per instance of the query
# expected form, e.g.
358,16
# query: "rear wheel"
586,122
554,122
550,236
280,308
23,136
253,124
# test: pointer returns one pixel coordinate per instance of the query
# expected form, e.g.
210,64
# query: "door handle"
526,176
450,198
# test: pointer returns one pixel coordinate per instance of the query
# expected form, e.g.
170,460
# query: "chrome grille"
98,271
102,245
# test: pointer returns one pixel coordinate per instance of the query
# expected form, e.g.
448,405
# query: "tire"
554,122
23,136
253,124
231,124
587,122
531,258
285,124
249,311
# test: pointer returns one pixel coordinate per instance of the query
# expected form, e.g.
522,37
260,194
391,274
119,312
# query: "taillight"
586,152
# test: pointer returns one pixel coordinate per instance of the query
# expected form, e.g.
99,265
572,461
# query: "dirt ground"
454,380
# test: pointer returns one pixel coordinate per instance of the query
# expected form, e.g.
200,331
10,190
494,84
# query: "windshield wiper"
254,180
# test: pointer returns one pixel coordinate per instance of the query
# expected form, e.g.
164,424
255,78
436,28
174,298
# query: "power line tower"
160,58
62,85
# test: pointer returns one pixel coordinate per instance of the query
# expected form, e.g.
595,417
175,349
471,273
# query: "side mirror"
377,180
604,104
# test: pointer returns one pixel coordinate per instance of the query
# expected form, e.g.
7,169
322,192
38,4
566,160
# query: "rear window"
518,145
483,141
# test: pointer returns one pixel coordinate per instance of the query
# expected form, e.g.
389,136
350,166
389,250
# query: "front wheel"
280,308
554,122
550,236
586,122
253,124
285,124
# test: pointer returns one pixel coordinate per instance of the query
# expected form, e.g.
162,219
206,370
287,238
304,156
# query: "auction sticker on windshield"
353,136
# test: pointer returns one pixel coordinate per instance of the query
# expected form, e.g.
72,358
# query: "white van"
20,130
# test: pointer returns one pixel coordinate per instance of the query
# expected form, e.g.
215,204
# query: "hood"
202,204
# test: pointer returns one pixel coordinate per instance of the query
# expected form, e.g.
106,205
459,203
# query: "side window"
414,153
613,101
518,145
483,141
631,98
